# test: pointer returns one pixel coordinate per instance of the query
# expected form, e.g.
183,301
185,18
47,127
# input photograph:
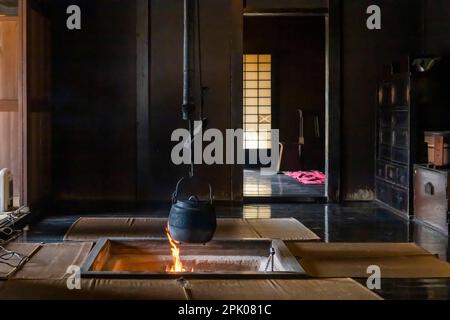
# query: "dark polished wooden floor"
279,186
356,222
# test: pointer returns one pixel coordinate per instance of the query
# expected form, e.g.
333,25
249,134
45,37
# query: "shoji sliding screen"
257,101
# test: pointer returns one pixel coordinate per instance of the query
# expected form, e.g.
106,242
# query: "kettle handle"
175,194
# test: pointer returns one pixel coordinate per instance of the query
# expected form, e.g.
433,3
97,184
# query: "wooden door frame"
333,93
334,101
23,110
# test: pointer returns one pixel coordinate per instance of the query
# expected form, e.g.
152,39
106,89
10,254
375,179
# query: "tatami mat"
284,229
328,289
53,260
352,260
14,263
91,229
311,289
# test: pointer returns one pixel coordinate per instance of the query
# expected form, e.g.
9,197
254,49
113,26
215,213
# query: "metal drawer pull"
429,189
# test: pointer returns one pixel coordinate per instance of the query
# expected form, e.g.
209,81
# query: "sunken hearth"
114,258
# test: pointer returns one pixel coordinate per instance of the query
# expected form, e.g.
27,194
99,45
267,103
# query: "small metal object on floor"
14,261
271,260
186,288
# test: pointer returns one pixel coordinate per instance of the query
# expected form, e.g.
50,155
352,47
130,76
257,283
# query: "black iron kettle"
192,220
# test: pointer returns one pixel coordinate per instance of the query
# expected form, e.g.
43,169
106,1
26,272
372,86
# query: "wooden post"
143,101
23,106
333,139
236,115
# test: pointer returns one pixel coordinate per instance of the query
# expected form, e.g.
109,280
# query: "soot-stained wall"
94,90
94,102
217,25
364,51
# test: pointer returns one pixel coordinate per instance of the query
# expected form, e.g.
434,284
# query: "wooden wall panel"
143,152
39,55
272,5
39,109
9,53
94,99
218,24
363,54
39,153
9,151
437,30
9,98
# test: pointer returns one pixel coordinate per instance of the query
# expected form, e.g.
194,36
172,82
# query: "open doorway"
285,67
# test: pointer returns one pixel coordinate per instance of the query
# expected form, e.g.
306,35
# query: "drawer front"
431,198
394,118
386,136
396,198
385,152
400,138
391,173
397,174
403,174
400,155
400,199
400,92
381,170
382,191
400,119
385,98
385,118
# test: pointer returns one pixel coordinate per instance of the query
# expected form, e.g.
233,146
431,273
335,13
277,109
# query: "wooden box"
438,148
431,197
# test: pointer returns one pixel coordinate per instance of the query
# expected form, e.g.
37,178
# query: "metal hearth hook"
271,260
192,51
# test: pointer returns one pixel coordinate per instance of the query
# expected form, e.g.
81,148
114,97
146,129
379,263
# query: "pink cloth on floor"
307,177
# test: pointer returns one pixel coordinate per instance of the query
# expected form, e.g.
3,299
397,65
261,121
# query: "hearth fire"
162,257
177,265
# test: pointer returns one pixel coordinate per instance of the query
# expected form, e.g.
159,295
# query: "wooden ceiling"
8,7
9,3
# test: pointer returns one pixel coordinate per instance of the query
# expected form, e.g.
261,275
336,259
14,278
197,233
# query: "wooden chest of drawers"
410,103
431,197
394,158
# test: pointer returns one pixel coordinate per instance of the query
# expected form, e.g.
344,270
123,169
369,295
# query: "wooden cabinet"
410,103
431,197
393,167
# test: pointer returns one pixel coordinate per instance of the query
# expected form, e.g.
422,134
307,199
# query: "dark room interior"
348,99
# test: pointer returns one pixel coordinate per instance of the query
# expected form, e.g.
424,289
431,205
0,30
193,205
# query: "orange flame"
174,247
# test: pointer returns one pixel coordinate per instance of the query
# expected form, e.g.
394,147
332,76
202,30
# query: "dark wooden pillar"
333,142
143,101
237,43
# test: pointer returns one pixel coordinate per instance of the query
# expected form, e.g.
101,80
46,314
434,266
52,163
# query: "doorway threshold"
290,199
